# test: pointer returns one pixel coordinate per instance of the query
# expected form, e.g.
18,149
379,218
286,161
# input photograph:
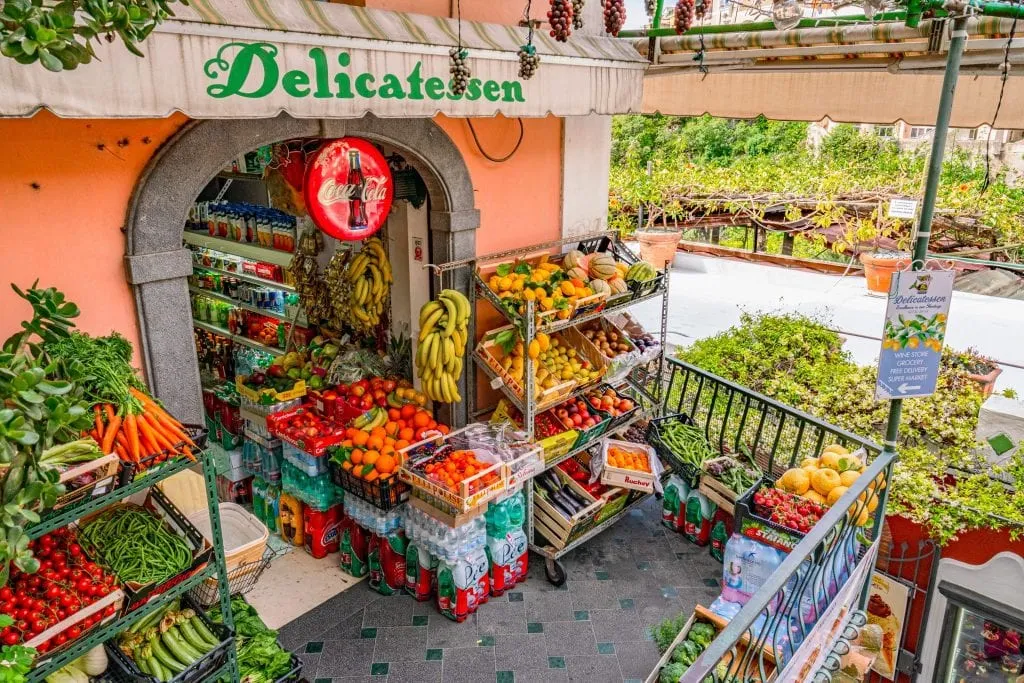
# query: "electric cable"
497,160
999,105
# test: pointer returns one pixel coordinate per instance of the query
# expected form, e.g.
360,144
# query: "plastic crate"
123,670
130,470
296,671
688,472
384,494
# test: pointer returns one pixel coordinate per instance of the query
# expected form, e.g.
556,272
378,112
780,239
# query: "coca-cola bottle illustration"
357,186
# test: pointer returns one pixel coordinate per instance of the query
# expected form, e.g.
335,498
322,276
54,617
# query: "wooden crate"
626,478
105,470
718,493
553,525
492,354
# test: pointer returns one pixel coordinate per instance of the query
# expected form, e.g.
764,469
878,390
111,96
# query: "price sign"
902,208
348,189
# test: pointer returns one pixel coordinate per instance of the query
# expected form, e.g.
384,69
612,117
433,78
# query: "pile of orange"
458,466
628,459
374,454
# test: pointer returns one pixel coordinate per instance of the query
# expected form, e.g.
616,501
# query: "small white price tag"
497,383
902,208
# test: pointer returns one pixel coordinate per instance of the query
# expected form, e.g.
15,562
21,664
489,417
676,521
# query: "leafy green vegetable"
260,657
672,673
665,632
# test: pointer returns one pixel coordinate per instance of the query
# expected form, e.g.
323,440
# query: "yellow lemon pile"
826,478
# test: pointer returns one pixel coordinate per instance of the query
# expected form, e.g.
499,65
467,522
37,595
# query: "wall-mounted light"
786,14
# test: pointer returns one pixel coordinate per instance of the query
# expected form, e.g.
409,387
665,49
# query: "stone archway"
157,265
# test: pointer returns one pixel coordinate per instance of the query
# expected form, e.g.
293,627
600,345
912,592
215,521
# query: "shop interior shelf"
73,513
235,175
248,251
556,325
247,278
105,633
301,320
244,341
553,554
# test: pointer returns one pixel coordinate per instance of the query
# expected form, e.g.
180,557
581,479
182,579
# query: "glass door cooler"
981,639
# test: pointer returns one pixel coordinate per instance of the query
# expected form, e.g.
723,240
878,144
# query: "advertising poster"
888,604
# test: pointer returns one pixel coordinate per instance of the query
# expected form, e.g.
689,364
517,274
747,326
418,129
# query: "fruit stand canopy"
256,58
858,73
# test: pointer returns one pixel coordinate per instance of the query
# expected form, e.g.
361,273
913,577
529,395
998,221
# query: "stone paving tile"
415,672
395,610
637,658
587,595
520,651
400,643
612,625
594,668
541,676
309,663
501,617
344,658
553,606
350,627
468,665
567,638
444,633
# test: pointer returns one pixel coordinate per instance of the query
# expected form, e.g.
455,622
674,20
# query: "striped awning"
257,58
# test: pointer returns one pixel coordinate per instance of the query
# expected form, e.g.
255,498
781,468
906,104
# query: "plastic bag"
651,347
618,366
355,364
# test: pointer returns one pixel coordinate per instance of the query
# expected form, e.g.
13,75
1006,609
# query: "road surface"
709,294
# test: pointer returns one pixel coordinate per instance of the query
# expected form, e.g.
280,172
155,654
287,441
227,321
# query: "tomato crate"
124,670
328,433
552,436
159,506
114,598
384,494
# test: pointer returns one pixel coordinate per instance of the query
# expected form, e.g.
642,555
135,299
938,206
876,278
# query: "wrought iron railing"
759,641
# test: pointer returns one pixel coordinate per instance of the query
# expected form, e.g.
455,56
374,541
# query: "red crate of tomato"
306,429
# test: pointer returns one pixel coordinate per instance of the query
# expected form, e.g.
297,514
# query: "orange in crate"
628,459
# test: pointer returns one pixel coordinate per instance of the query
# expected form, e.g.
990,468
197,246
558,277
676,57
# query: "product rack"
244,341
217,569
300,321
641,379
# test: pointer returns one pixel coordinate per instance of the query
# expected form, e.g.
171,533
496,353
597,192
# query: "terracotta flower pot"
987,382
878,270
658,248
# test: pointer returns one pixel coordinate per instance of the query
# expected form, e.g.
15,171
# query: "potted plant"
980,369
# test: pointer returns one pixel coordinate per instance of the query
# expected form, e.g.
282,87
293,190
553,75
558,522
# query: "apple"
358,390
367,401
389,385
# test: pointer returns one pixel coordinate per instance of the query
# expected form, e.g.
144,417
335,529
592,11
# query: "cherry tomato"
37,626
11,638
74,632
60,639
6,594
108,611
43,648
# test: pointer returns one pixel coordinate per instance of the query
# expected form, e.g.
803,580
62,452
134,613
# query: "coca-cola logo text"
375,189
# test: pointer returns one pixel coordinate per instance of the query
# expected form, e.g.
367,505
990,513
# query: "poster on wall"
348,189
888,605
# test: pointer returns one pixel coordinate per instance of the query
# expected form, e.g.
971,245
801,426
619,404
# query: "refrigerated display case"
981,639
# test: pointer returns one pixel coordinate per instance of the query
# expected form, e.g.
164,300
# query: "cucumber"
193,638
205,633
165,658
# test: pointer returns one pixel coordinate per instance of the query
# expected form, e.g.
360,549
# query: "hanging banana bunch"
369,276
444,332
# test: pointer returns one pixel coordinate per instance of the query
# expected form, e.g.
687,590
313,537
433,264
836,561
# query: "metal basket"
241,580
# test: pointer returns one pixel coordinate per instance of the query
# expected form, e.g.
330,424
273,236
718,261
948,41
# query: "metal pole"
931,188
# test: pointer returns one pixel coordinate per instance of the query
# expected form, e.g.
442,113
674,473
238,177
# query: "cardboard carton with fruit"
628,465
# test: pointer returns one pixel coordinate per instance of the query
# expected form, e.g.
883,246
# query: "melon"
622,268
602,265
601,287
573,259
641,271
618,285
577,273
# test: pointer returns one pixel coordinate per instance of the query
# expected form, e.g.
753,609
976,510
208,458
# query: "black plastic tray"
381,494
749,523
123,670
637,290
129,470
667,456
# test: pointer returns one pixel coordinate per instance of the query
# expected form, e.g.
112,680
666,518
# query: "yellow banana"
428,326
427,310
361,314
421,358
457,367
376,279
453,316
460,301
435,350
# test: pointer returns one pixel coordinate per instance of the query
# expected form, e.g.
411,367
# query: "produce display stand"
216,569
639,380
735,419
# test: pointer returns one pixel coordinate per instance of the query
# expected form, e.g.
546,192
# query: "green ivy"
799,361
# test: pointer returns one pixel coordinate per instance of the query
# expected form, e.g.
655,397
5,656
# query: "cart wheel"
555,572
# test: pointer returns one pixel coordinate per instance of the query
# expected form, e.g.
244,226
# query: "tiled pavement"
593,629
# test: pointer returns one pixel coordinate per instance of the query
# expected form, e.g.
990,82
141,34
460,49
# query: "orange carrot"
112,428
163,439
121,453
133,436
188,453
147,434
98,416
153,409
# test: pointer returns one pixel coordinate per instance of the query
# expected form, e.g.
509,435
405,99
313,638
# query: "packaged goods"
463,580
746,567
420,560
386,558
506,543
290,518
721,530
697,521
321,530
673,504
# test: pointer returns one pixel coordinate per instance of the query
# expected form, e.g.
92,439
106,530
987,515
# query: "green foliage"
798,361
58,34
708,165
15,660
665,632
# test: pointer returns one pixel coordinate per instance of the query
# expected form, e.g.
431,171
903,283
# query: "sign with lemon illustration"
915,330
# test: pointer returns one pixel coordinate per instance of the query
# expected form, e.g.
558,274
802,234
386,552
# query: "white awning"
258,58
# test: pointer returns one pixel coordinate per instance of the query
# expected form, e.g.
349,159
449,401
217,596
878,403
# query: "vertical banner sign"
915,329
348,189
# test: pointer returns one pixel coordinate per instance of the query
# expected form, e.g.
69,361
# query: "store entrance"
270,311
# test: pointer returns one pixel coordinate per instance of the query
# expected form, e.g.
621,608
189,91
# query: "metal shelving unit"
640,380
217,567
237,338
243,249
273,284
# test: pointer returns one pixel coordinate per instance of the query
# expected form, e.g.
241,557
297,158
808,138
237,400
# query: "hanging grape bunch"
459,69
700,8
529,60
683,16
559,17
577,14
614,16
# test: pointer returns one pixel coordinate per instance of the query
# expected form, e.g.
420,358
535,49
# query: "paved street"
709,294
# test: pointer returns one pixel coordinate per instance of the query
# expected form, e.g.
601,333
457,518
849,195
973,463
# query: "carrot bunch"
140,430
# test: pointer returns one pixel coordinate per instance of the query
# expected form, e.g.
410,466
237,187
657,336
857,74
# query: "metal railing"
758,642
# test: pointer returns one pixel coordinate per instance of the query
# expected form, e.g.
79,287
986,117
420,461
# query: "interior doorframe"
157,265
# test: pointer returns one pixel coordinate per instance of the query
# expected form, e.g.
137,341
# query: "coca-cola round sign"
348,189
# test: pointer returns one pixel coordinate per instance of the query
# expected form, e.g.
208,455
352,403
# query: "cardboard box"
627,478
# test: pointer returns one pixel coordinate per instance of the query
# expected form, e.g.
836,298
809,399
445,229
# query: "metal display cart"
214,569
642,380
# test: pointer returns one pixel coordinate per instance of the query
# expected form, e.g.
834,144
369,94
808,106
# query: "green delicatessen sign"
252,70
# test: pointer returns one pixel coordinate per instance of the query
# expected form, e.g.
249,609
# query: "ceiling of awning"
258,58
859,73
